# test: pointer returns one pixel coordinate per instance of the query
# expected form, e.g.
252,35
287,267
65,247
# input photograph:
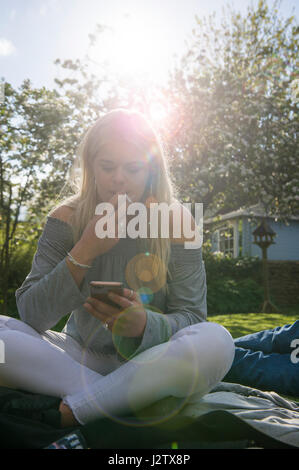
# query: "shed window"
226,240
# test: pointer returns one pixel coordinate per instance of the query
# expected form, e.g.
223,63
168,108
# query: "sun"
158,113
133,48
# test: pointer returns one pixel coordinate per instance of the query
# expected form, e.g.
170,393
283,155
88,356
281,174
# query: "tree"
40,134
235,98
30,143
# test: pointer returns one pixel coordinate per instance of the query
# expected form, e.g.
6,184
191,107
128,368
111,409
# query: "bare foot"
67,417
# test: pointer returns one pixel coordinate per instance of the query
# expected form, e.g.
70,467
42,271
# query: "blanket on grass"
230,416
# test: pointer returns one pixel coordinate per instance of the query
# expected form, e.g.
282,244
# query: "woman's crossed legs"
194,360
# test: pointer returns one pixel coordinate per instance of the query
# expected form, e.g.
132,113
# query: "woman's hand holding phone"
129,319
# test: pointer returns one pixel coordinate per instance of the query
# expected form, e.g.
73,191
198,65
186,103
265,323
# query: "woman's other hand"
127,320
90,243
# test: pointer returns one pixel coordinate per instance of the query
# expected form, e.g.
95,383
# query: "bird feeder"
264,237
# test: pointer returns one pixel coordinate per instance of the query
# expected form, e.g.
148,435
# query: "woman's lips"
121,194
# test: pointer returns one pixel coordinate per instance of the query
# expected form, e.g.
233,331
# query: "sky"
34,33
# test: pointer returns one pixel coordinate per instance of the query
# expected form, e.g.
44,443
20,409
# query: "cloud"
6,47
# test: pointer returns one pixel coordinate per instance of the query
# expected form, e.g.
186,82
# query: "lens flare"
146,295
160,409
147,270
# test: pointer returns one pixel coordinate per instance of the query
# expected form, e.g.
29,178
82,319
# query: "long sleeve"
49,292
186,302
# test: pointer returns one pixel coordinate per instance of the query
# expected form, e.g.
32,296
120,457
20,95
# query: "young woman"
112,360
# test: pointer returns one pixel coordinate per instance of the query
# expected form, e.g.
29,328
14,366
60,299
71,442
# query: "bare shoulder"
63,213
181,222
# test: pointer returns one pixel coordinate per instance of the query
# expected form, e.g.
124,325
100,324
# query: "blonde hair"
132,127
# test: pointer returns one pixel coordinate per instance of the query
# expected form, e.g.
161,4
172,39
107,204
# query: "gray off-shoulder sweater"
49,292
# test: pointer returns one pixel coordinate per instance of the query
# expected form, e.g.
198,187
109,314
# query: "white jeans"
193,361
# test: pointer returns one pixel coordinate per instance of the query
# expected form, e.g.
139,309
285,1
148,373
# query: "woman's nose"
118,175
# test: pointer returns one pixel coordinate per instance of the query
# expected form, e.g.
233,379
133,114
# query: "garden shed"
231,234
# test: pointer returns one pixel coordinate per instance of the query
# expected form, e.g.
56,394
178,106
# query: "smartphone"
100,289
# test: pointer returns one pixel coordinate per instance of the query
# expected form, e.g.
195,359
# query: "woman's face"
121,168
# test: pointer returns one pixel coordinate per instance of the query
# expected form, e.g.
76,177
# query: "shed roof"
256,210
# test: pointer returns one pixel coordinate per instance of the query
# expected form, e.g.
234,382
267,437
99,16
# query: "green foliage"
234,284
60,325
220,265
33,122
22,252
245,324
20,266
235,103
227,295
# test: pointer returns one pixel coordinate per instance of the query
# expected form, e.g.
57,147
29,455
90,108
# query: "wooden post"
263,237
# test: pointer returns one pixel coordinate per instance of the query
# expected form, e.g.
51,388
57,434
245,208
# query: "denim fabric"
263,360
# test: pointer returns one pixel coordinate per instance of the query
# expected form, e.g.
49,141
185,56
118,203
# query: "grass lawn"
240,324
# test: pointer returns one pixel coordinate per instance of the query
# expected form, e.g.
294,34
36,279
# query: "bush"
219,265
227,295
21,262
234,284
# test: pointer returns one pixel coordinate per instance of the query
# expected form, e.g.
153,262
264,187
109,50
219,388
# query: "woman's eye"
130,169
107,168
133,170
